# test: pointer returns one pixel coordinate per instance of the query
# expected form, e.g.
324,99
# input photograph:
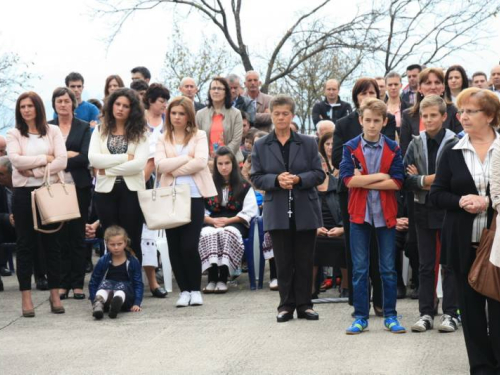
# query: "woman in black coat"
76,134
461,187
287,166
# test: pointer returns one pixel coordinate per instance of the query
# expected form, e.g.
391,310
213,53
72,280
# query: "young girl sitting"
116,281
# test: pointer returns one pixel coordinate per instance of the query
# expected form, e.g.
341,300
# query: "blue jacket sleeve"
346,166
136,277
397,170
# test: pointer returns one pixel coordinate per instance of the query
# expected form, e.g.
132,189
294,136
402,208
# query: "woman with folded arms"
182,157
465,173
119,152
76,134
32,145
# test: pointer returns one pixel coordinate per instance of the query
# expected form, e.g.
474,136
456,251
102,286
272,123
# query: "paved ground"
231,334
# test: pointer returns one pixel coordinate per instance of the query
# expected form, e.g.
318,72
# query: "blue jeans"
360,251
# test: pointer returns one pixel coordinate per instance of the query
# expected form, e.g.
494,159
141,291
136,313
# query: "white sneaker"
425,323
273,285
196,299
221,288
183,300
448,324
210,288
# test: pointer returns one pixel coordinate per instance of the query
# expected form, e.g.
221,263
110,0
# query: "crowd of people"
402,171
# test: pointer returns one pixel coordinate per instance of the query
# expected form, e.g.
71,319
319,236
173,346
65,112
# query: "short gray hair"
233,78
183,81
5,162
282,99
252,72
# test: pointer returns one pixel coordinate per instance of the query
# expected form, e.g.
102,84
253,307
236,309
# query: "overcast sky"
60,36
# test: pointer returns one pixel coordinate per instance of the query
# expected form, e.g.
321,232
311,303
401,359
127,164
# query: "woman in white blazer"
182,154
119,152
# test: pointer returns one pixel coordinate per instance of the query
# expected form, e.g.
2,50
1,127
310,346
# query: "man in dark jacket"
7,231
240,102
332,108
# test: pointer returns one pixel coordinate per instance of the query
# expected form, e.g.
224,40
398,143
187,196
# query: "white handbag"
167,207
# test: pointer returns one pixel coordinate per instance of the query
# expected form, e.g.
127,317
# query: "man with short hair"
495,80
323,127
382,88
7,231
332,108
85,111
141,72
3,146
189,89
410,91
240,102
140,86
260,101
480,80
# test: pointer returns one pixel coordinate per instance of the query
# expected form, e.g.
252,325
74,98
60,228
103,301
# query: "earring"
188,129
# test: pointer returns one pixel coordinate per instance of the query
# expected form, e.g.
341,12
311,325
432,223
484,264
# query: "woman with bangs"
467,171
346,129
182,158
119,152
431,81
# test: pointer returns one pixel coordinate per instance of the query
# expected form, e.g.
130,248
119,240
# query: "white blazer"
118,164
495,200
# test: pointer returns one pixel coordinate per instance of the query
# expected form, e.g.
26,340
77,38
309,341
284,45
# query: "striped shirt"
481,173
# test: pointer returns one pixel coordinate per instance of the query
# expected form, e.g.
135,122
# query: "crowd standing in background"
408,170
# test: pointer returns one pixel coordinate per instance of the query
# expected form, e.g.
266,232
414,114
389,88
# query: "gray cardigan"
304,161
232,123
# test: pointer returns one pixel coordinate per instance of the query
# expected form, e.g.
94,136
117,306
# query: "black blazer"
304,161
348,127
410,125
453,180
78,141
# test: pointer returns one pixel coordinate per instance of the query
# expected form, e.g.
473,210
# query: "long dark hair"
463,74
135,127
118,80
40,119
325,137
227,93
236,180
191,127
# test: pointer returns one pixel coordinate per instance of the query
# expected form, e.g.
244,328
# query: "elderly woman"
222,123
287,166
76,134
461,188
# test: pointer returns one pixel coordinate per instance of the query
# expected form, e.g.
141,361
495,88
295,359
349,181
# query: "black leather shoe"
89,267
64,296
284,316
1,285
42,284
159,292
308,315
401,292
414,293
4,271
78,295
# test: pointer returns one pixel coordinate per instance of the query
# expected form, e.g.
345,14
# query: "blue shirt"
373,155
86,112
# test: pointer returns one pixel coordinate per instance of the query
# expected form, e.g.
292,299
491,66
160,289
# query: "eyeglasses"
217,89
468,112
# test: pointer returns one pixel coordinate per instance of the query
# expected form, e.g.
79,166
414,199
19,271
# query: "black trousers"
376,281
183,249
294,255
27,243
481,331
428,274
121,207
412,242
73,247
7,235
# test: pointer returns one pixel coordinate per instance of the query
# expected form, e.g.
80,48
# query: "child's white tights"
105,294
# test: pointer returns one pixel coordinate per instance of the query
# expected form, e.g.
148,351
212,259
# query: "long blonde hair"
191,127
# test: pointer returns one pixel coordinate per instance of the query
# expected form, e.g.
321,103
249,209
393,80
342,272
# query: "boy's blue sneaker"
392,325
358,326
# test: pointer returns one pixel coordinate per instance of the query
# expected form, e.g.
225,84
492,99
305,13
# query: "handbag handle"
46,176
35,218
174,193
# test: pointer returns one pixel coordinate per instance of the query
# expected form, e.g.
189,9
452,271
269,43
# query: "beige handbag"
56,203
167,207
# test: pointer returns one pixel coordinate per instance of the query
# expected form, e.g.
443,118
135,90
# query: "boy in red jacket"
372,168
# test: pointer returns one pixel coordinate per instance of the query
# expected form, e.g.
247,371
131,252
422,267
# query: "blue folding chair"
249,252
